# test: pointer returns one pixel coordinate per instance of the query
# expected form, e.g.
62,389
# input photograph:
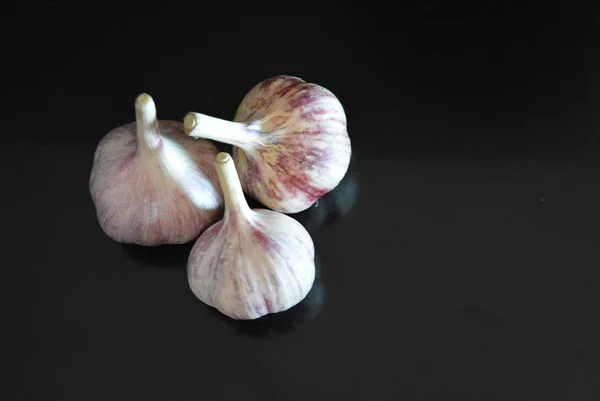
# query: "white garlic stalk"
253,262
151,184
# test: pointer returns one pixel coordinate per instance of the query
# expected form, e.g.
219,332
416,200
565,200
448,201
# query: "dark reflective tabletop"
457,260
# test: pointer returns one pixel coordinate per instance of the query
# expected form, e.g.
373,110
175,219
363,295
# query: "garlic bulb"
291,145
151,184
253,262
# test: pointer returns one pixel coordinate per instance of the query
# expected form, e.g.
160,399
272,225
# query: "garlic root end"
198,125
145,107
222,157
148,132
189,123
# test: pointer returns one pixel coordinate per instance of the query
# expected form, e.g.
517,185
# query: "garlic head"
151,184
253,262
291,144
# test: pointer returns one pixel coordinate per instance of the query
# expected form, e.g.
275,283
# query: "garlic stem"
200,125
235,201
148,132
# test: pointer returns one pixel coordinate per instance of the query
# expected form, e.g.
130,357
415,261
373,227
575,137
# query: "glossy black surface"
458,260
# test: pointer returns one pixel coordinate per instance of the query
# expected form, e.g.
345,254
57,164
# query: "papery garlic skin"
251,269
153,185
253,262
291,144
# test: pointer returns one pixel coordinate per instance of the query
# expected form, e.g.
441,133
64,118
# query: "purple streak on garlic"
253,262
151,184
291,144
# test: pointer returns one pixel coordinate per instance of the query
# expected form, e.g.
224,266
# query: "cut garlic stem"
148,133
198,125
235,201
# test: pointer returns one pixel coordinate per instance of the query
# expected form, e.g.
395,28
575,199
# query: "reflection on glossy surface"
327,210
331,206
176,256
165,256
283,322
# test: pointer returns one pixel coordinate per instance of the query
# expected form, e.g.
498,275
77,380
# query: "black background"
457,260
